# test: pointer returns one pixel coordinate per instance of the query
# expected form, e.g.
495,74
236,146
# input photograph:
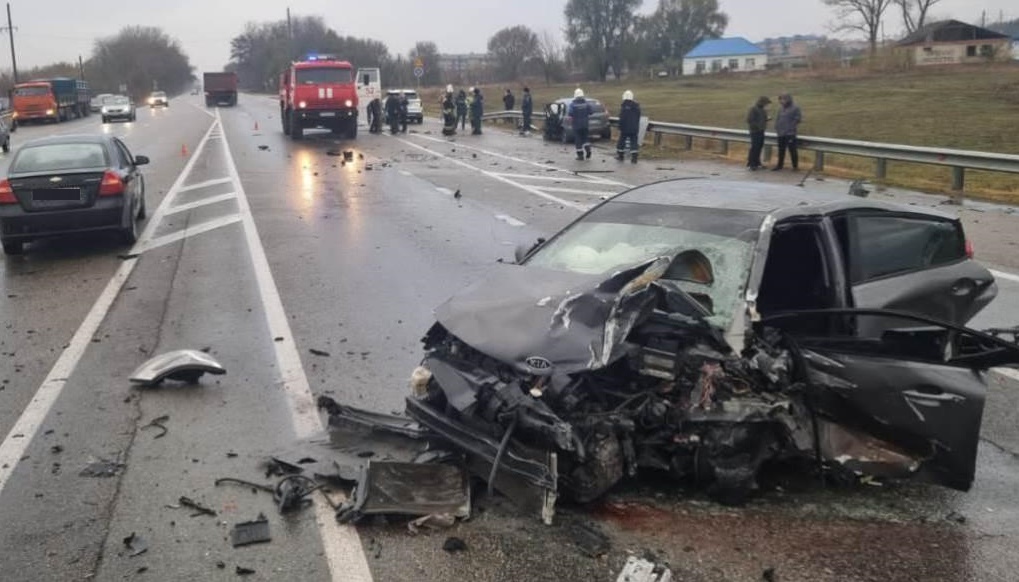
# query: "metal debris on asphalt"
158,423
251,532
182,365
454,545
591,541
431,522
319,353
264,148
395,488
198,507
242,571
136,545
641,570
102,468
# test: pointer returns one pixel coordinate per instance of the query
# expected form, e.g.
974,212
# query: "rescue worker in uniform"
629,128
393,113
477,111
461,109
375,115
579,113
449,117
527,108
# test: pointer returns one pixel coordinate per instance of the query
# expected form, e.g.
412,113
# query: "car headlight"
348,103
302,104
105,110
49,112
151,100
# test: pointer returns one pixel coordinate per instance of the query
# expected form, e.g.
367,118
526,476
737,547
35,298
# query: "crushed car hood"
542,321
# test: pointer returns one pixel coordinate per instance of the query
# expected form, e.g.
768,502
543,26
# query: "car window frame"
849,255
124,154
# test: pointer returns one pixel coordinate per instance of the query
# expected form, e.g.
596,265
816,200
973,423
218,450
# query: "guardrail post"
818,161
880,168
724,147
766,153
658,139
688,142
958,183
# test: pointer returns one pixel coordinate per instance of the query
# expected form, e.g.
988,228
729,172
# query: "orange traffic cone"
183,150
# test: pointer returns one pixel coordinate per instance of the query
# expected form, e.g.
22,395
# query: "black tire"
14,126
606,133
143,213
352,129
129,234
13,247
285,121
7,145
296,131
106,119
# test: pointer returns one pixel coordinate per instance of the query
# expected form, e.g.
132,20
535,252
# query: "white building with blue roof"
716,55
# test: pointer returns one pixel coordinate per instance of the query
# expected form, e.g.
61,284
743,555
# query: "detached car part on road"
708,329
71,184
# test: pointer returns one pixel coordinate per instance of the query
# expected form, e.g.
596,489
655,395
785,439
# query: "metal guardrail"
958,160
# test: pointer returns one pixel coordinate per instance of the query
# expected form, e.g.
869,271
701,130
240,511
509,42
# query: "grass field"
972,107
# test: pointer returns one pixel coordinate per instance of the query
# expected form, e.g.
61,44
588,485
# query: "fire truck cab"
319,92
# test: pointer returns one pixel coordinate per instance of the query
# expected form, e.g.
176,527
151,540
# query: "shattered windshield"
620,235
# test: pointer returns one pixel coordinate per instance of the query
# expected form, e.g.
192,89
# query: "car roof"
70,139
778,200
570,100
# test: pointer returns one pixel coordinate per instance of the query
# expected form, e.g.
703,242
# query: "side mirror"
141,160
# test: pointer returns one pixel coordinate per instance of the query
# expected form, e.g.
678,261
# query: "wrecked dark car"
706,329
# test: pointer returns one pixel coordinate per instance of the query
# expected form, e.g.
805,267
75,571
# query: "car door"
919,384
912,262
131,176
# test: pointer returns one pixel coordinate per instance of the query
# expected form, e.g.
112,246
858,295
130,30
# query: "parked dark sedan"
708,329
71,184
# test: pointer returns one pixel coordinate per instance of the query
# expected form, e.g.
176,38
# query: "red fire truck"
319,92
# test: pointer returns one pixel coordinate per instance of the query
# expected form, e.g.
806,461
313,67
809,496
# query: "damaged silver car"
707,329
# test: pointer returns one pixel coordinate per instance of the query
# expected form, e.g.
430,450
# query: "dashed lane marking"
510,220
494,176
13,447
560,190
1006,276
547,178
445,191
341,544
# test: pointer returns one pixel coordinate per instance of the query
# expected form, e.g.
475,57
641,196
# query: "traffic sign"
418,72
418,63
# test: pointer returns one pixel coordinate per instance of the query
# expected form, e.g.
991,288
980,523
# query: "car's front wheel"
13,247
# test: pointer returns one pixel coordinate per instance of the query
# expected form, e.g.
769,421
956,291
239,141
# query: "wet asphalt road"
263,254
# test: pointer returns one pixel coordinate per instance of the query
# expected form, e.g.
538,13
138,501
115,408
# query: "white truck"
369,87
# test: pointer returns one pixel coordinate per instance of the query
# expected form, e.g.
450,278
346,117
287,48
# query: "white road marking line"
510,220
13,448
495,176
1010,373
518,160
205,110
189,232
205,184
1005,276
548,178
342,545
199,203
576,191
445,191
406,173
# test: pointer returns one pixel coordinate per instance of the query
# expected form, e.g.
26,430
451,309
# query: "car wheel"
130,233
142,211
606,133
106,119
352,129
296,131
13,247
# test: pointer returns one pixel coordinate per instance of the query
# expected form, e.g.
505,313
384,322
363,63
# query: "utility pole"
290,35
81,68
10,30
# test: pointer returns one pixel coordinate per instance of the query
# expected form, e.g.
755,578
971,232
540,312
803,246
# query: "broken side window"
882,245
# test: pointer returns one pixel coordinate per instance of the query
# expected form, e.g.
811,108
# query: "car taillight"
969,245
112,185
7,193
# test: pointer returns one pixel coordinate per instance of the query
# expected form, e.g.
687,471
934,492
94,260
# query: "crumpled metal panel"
182,365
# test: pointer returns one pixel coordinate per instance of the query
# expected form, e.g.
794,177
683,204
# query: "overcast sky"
205,27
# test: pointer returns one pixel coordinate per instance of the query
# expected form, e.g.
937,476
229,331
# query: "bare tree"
862,15
550,51
914,13
511,48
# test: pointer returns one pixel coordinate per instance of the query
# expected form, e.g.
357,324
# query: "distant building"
717,55
791,51
951,42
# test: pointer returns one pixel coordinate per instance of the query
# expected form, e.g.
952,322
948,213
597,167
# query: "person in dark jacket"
787,123
448,113
757,123
527,108
403,112
579,113
393,113
508,100
375,115
629,128
477,111
461,109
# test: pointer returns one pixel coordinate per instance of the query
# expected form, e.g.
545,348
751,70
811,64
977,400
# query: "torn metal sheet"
181,365
250,532
641,570
388,488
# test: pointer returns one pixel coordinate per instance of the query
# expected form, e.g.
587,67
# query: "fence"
958,160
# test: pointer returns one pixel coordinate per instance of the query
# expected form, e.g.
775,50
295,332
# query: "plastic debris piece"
454,545
102,469
431,522
641,570
192,504
242,571
136,545
181,365
251,532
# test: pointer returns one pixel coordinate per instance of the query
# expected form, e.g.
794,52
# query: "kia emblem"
537,364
